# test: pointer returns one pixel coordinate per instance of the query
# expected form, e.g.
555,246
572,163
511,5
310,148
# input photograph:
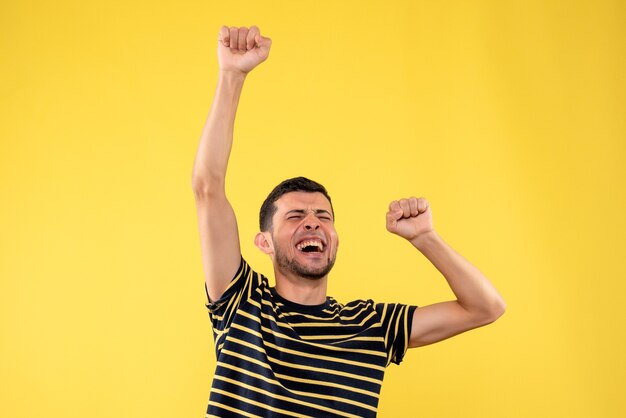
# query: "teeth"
315,243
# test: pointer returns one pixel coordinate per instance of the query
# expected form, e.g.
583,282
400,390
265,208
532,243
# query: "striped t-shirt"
277,358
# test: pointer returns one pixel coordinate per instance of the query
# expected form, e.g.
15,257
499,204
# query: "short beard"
302,271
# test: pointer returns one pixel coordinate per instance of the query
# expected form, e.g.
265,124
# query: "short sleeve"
223,310
396,320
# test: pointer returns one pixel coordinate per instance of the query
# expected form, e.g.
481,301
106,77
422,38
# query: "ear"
264,242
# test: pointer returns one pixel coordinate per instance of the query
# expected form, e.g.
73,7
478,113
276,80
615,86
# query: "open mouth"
311,246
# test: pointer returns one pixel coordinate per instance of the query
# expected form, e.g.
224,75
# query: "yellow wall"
507,116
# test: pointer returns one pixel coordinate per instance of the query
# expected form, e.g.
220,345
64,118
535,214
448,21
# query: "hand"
240,49
409,218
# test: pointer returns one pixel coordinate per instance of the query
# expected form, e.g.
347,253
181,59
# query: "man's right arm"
239,50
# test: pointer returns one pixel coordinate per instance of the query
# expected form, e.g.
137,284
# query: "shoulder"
246,270
358,303
356,307
243,284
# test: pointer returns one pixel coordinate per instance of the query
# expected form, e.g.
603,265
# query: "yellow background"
507,116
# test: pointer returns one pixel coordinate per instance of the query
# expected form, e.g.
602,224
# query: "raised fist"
409,218
241,49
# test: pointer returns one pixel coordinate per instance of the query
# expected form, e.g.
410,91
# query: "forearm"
473,291
211,160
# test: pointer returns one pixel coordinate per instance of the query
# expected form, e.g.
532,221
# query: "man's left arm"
478,302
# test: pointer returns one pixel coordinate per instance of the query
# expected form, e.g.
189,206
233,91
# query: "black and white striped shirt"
277,358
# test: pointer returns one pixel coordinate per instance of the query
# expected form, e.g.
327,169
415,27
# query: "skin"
300,215
238,51
477,301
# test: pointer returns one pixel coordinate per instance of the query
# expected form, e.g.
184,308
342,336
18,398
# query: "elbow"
490,312
207,185
497,310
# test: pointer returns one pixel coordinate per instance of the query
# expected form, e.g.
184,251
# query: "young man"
290,350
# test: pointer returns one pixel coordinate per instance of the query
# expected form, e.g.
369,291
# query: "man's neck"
300,290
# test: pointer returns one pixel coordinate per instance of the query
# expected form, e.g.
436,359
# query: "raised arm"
239,50
478,302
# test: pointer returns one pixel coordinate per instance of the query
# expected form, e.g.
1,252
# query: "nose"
311,223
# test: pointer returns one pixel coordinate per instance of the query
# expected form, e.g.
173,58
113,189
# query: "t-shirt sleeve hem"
212,305
397,359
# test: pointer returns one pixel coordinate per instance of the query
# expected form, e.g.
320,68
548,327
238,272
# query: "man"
290,350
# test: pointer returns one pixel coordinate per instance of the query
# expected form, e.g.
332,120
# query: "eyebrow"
302,212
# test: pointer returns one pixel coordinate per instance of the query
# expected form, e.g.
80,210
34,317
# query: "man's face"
304,236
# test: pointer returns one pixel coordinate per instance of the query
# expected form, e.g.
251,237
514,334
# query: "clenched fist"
409,218
240,49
